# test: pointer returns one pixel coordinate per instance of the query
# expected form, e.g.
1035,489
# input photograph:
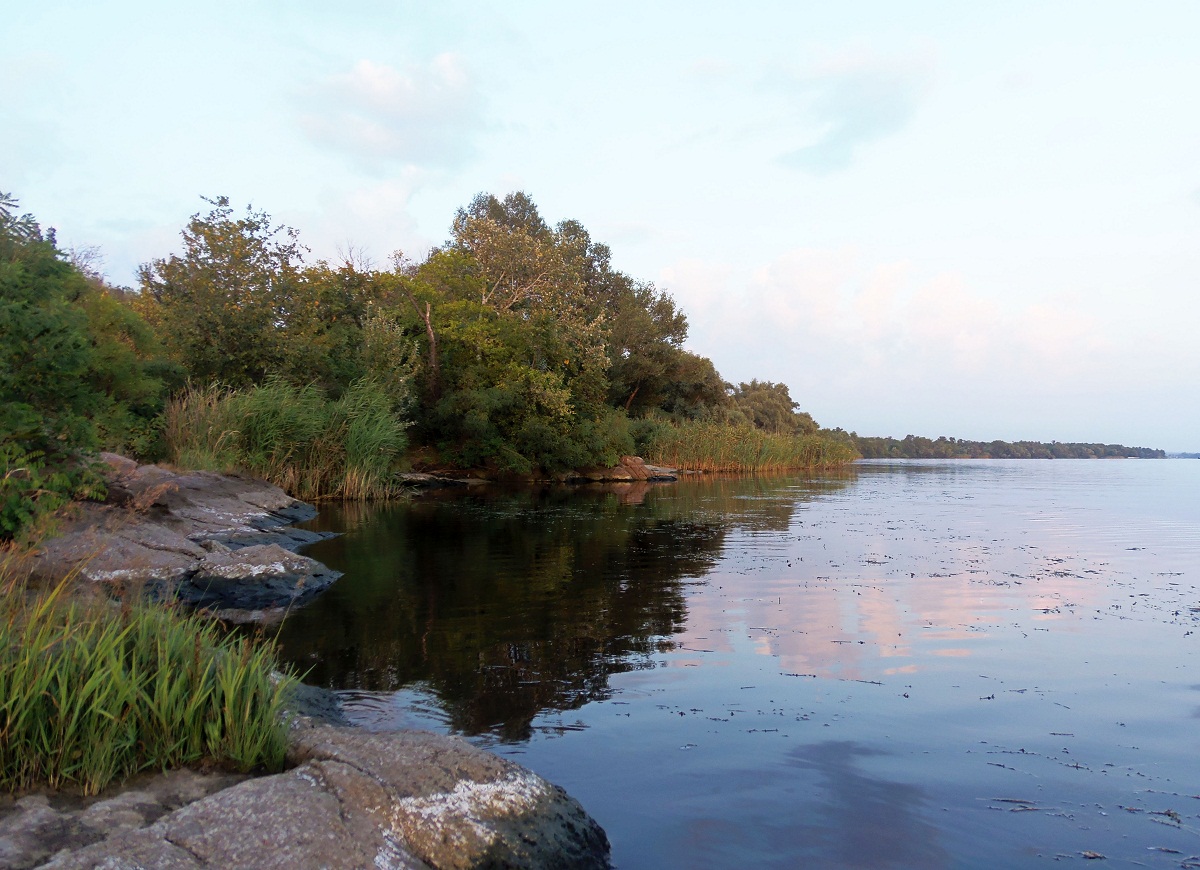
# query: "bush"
78,371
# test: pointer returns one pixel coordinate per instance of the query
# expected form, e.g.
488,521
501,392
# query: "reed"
312,447
91,693
707,446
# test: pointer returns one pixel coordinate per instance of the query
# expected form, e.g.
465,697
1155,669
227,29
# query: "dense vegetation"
79,370
914,447
89,695
515,346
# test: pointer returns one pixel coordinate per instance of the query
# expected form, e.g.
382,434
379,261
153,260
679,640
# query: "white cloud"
375,220
421,115
843,332
849,102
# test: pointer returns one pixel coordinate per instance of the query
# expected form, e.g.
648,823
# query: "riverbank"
405,799
350,798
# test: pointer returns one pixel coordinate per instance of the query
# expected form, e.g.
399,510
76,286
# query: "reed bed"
312,447
702,446
91,693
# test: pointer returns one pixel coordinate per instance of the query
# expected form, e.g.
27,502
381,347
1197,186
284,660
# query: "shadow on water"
509,603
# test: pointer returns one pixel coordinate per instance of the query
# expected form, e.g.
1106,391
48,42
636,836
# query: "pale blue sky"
939,218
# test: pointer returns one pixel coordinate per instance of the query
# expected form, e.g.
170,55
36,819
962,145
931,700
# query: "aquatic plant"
92,692
710,446
295,437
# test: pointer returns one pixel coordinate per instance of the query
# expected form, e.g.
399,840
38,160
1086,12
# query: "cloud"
849,103
419,116
823,320
373,221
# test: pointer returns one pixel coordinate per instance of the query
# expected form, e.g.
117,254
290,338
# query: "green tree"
78,371
769,406
223,306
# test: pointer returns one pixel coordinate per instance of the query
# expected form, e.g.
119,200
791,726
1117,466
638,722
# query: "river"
906,664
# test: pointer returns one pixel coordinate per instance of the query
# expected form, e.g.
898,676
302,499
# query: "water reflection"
509,603
923,664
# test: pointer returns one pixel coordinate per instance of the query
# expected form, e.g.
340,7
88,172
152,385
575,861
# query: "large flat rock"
355,799
221,542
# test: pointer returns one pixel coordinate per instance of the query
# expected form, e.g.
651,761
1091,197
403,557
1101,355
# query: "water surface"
912,664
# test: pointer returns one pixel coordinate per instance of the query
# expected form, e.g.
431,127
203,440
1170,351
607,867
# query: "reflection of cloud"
852,102
843,625
823,806
419,115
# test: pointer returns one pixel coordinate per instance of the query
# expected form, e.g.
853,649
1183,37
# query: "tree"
78,370
223,305
769,406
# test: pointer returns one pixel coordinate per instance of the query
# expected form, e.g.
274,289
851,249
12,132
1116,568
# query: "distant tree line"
916,447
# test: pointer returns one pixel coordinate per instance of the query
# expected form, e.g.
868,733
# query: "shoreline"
226,544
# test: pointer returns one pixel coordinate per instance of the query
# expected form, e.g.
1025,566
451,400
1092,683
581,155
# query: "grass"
295,437
706,446
91,693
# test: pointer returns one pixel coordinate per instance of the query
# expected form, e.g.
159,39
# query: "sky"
937,218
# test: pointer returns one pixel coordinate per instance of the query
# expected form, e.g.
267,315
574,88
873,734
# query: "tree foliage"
917,447
78,371
224,307
770,407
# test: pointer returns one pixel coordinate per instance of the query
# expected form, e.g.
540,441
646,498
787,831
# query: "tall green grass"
707,446
90,693
311,446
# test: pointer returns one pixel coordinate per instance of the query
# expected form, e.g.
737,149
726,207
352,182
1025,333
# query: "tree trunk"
435,376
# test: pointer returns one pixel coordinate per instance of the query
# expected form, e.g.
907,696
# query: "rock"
35,827
456,806
641,471
216,541
631,468
423,480
253,578
316,705
118,547
356,799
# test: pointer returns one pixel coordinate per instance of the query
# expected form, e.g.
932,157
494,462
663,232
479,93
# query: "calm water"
914,664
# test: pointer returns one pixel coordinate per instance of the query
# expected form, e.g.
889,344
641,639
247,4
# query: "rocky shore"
350,798
219,542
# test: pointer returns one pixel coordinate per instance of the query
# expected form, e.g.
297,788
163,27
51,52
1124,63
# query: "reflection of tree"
507,604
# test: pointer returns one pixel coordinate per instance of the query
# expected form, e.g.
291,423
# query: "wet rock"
253,578
355,799
316,705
